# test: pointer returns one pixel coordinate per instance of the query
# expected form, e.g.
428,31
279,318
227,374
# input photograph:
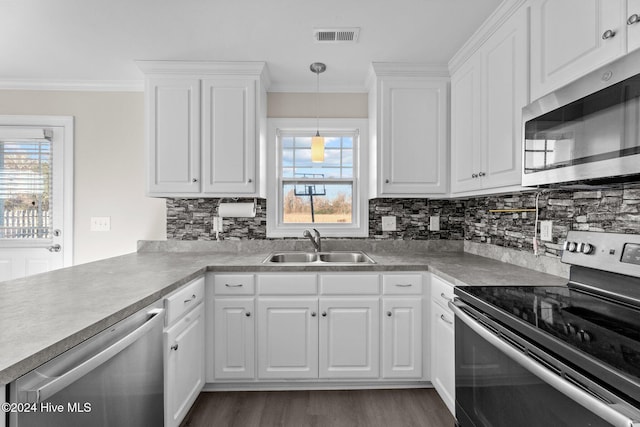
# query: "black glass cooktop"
600,328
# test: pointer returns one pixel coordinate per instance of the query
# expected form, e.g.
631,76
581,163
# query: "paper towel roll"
237,210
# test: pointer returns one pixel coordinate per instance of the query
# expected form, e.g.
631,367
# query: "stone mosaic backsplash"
614,209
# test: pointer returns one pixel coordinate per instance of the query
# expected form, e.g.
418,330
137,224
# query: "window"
327,195
25,187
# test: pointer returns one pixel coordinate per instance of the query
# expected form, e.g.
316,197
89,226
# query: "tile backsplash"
612,210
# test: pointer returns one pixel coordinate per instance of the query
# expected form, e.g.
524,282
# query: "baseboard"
307,385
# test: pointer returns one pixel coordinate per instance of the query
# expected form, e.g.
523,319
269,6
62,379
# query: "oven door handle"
54,384
598,407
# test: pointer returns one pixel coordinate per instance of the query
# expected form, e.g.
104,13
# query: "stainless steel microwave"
586,131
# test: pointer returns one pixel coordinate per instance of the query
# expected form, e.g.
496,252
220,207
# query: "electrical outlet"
100,223
546,231
388,223
434,223
216,224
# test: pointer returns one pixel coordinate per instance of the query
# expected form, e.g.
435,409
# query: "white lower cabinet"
349,337
287,338
234,338
443,342
402,337
184,341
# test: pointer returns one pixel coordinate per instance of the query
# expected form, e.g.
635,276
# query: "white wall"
330,105
109,166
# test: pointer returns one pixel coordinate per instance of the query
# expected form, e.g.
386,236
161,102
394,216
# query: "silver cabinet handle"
400,285
250,180
633,19
55,384
248,314
386,181
194,180
190,299
589,402
233,286
313,314
474,175
389,313
608,34
481,174
442,294
54,248
324,314
174,347
445,320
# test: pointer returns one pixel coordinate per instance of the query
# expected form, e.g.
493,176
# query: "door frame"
67,123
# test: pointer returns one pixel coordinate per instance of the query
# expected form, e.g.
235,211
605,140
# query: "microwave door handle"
55,384
598,407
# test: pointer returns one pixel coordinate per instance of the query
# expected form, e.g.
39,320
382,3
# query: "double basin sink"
315,258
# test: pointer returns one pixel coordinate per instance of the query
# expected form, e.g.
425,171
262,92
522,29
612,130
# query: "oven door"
502,380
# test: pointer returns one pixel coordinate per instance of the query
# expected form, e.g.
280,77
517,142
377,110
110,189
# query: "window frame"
360,211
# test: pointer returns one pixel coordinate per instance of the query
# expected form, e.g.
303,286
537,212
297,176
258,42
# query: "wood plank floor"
348,408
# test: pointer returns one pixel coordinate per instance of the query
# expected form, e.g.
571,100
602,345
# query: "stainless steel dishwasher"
112,379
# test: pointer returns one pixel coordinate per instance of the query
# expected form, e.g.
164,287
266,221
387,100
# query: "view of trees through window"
25,188
317,192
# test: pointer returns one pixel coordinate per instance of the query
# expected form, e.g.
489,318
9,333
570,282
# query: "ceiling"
93,43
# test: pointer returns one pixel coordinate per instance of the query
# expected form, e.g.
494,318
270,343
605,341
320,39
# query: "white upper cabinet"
408,113
633,25
570,38
488,92
205,128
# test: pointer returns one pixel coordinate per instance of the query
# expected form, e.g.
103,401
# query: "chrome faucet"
317,245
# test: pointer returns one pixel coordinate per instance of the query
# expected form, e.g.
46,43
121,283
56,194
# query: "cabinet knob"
313,314
386,181
324,314
389,313
248,314
608,34
194,180
633,19
481,174
474,175
174,347
250,180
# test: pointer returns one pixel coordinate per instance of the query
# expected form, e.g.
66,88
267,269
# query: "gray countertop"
43,315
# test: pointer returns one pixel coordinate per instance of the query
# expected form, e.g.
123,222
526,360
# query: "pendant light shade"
317,142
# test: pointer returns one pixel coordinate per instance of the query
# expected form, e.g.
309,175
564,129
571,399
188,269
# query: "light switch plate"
100,223
434,223
546,231
388,223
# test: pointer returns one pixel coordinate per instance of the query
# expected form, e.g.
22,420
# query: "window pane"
287,142
331,157
332,142
25,183
317,203
303,141
287,158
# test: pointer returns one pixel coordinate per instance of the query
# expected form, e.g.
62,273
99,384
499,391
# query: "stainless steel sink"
318,258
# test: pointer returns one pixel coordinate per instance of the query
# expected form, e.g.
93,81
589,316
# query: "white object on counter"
237,210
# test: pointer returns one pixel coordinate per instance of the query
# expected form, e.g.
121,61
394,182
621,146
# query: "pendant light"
317,142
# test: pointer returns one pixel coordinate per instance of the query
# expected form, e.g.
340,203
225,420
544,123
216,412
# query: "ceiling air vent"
336,35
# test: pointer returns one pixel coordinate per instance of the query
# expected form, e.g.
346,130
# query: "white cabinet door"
184,365
568,39
401,337
414,137
229,135
465,126
234,335
633,25
443,354
173,126
504,94
349,338
287,338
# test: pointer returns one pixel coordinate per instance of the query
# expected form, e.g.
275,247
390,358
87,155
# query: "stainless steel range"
554,356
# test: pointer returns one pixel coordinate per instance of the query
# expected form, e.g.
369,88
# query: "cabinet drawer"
234,284
341,284
183,300
400,284
441,291
291,284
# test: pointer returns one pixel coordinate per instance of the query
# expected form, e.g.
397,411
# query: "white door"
36,201
234,334
402,338
287,338
349,338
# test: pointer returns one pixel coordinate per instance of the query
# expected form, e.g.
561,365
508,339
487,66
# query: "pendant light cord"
317,102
